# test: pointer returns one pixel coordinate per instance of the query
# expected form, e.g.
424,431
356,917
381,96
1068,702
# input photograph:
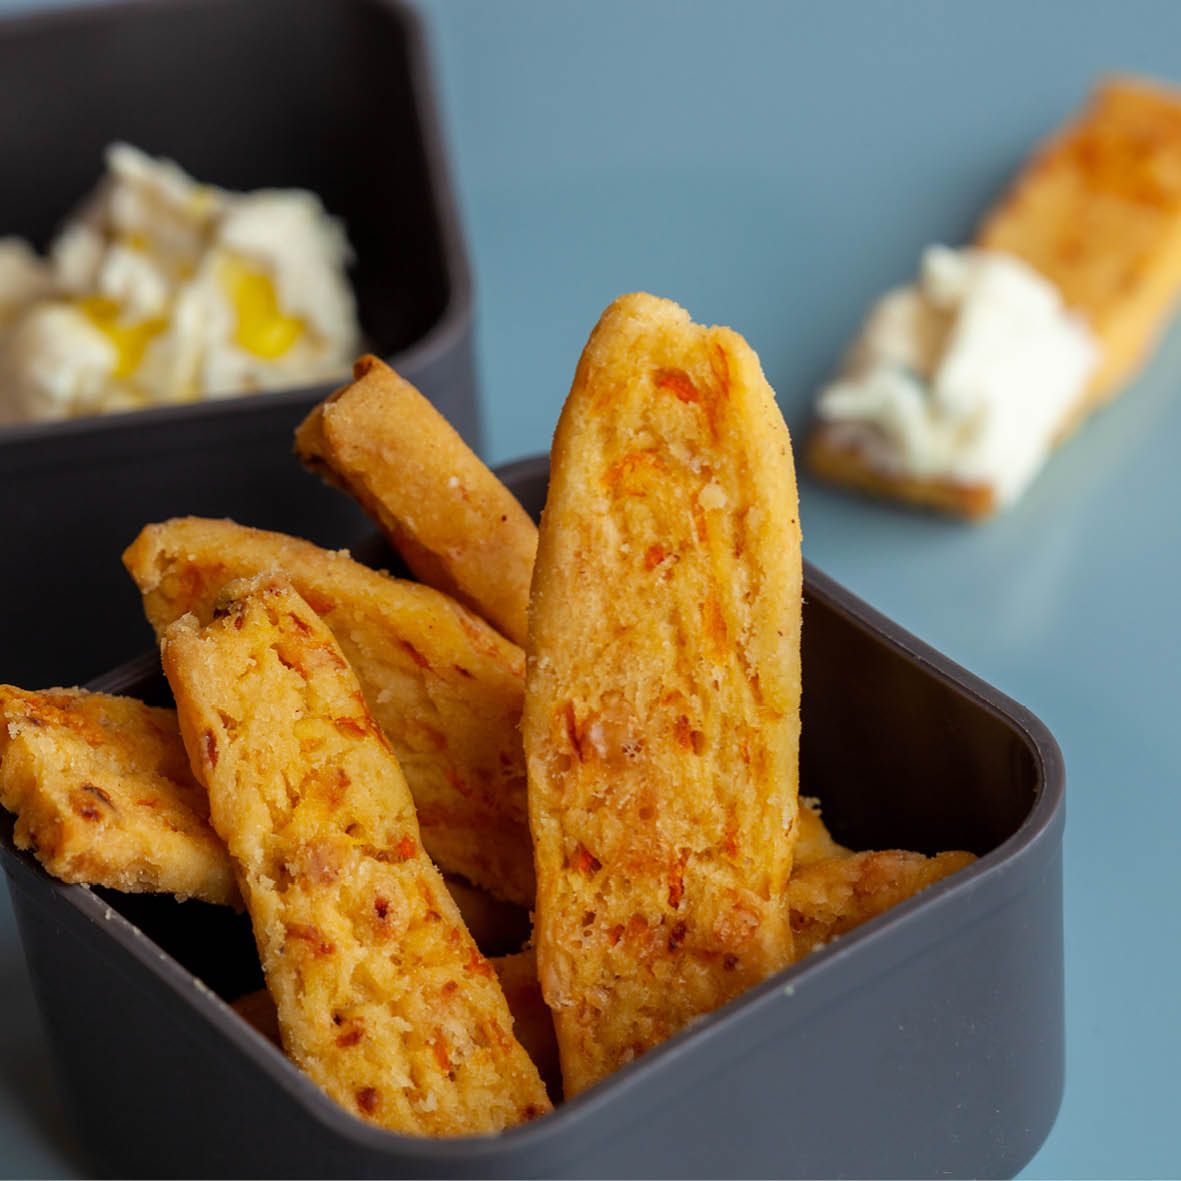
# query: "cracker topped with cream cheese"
961,384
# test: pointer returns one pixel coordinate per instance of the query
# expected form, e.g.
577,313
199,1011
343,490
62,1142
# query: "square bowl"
928,1042
336,97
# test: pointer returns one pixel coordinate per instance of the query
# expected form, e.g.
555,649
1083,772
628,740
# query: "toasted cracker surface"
382,995
662,707
456,525
832,457
1097,211
533,1026
831,897
813,840
446,688
103,794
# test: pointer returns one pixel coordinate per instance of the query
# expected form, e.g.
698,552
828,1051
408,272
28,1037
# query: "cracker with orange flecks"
832,896
383,997
813,840
446,688
455,524
533,1026
103,794
1097,211
661,716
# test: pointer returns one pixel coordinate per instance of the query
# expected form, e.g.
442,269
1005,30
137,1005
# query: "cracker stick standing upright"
457,526
383,997
103,795
446,688
662,696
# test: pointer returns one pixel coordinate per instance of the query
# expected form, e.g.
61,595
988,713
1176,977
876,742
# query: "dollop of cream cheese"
162,290
965,376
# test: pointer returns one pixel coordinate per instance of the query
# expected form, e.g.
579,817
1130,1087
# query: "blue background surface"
775,166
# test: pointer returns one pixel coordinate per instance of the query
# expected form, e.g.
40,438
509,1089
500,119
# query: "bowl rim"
440,339
814,980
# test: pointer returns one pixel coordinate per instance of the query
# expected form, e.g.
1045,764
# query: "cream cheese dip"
965,376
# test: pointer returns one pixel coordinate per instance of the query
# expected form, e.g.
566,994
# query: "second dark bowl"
335,96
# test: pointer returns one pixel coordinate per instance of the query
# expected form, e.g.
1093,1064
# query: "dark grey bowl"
928,1042
331,95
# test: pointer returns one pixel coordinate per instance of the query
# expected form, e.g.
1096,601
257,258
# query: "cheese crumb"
712,496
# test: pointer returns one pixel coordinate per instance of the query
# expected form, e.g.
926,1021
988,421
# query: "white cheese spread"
163,290
966,376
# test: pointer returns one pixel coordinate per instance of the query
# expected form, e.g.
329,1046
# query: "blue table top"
774,167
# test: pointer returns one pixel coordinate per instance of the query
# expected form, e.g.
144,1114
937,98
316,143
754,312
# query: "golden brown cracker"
833,457
1097,211
383,997
533,1026
103,795
813,840
830,897
446,688
455,524
662,705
